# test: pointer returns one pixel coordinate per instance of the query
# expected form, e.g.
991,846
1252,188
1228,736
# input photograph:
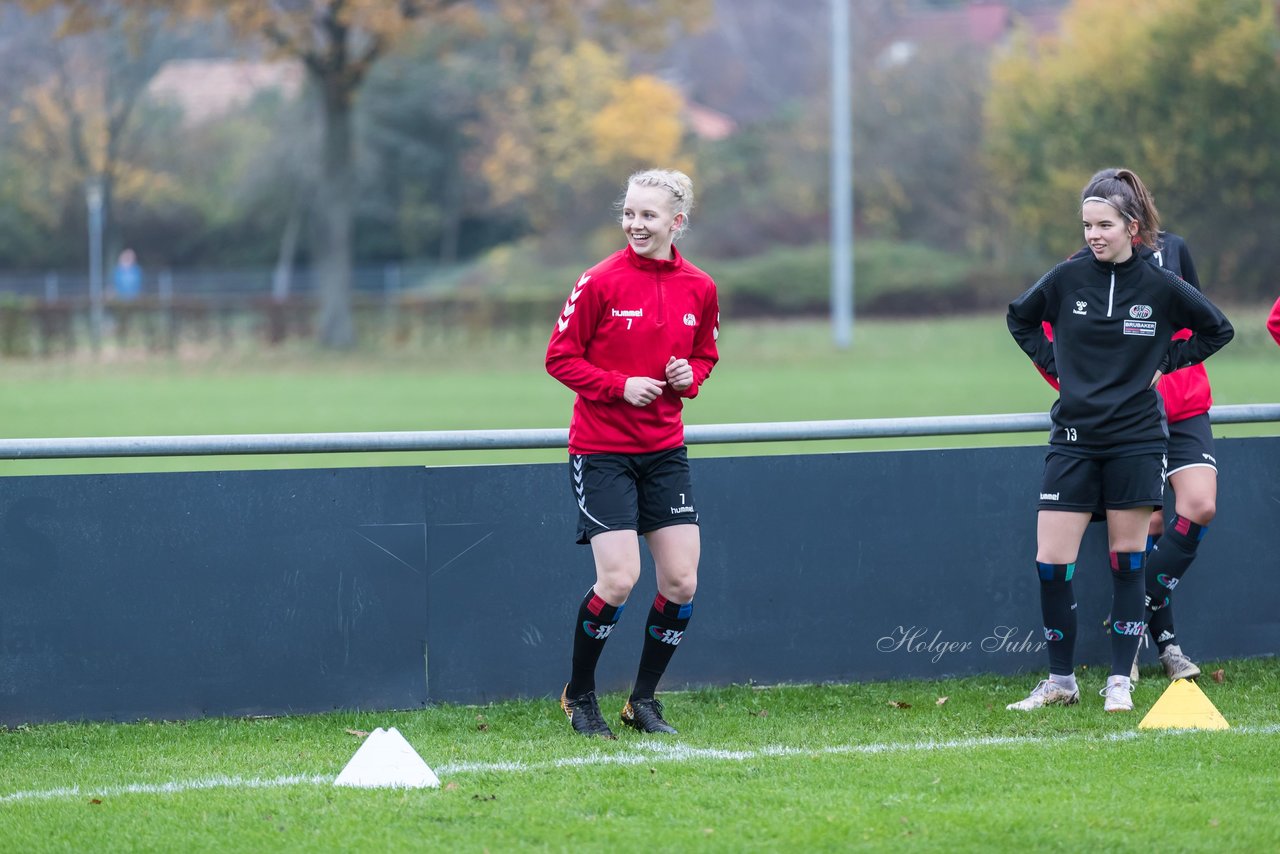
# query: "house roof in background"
208,88
985,24
980,24
706,123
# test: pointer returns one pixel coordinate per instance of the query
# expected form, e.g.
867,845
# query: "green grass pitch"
917,766
908,766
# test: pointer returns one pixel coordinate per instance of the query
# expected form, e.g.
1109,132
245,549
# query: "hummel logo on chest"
1081,305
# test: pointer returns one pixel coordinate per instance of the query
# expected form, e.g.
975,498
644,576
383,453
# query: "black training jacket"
1112,325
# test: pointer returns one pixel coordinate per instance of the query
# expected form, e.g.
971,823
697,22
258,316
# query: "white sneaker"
1177,665
1047,693
1118,694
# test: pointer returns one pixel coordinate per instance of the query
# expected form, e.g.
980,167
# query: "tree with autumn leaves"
446,128
75,104
1185,92
567,127
338,42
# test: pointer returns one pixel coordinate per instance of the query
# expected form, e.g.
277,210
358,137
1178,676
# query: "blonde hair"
674,182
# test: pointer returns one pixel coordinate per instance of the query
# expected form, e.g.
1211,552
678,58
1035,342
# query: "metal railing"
474,440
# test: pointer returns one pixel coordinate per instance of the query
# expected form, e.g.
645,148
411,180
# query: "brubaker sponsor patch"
1140,327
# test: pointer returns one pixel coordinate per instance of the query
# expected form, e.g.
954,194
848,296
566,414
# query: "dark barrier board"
836,567
271,592
183,595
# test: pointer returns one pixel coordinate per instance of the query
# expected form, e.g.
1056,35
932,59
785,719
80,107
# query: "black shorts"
1083,485
1191,444
632,492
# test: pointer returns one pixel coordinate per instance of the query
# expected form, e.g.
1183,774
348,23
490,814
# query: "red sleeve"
1048,333
1273,322
566,360
705,348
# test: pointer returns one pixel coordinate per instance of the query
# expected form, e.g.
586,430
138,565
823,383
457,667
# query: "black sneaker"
584,714
646,716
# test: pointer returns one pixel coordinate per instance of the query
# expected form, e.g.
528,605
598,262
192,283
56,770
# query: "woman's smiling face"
649,221
1107,231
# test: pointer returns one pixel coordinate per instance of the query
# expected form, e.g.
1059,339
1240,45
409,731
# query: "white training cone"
386,760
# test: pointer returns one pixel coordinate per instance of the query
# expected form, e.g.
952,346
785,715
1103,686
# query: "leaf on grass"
450,787
763,713
941,701
1213,822
358,733
482,727
95,801
1218,675
898,704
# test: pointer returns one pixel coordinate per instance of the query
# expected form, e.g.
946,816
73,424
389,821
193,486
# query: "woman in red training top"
1273,322
637,336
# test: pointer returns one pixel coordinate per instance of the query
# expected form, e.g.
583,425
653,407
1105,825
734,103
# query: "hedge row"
890,279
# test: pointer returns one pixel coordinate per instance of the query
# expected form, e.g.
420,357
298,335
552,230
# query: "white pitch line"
652,751
656,751
218,782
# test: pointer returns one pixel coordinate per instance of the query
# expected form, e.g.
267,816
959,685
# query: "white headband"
1108,202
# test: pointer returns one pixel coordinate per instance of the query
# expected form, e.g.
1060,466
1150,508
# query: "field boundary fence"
474,440
51,314
177,595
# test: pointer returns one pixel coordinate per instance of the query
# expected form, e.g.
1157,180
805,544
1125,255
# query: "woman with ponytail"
1113,315
1192,464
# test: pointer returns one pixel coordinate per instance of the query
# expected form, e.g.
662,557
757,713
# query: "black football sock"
1160,624
596,619
662,634
1171,558
1128,609
1058,608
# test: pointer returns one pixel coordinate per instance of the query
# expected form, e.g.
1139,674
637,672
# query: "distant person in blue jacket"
128,276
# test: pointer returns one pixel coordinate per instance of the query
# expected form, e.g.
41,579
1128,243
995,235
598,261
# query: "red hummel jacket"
626,317
1273,322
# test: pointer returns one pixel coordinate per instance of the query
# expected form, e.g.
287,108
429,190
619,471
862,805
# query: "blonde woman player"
636,339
